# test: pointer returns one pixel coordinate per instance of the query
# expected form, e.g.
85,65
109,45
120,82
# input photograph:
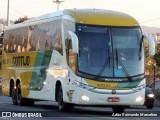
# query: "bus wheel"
149,106
118,109
14,97
20,100
30,102
63,107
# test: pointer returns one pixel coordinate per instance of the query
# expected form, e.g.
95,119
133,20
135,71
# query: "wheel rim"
60,97
11,91
18,95
13,97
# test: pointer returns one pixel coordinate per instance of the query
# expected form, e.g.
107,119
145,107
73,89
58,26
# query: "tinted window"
157,85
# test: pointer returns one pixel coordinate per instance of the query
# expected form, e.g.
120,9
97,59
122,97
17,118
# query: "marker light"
44,82
81,21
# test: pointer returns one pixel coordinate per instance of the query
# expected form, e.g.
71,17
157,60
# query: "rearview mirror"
74,39
151,44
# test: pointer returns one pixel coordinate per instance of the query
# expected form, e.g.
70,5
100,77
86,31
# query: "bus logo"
21,61
113,91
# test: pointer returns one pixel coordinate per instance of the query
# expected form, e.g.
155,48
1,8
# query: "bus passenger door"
71,61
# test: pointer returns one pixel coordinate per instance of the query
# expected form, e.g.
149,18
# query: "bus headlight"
150,95
85,98
85,86
139,99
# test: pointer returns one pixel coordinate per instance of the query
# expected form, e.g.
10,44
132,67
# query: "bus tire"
14,97
30,102
62,106
118,109
11,87
20,100
149,106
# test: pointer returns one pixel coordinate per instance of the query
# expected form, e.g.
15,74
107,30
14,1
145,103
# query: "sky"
147,12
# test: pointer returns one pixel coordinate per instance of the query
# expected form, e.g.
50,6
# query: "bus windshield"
110,52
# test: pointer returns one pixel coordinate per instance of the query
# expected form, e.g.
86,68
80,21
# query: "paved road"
48,110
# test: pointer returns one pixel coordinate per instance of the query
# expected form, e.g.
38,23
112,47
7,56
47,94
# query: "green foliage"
157,59
21,20
152,63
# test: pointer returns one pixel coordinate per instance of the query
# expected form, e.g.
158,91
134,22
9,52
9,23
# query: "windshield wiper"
123,67
104,66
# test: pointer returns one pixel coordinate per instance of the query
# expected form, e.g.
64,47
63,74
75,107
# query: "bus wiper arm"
104,66
123,67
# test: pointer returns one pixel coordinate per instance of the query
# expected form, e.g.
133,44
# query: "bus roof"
85,16
101,17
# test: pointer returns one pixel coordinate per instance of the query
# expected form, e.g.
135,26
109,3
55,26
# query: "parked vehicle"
156,89
149,98
0,84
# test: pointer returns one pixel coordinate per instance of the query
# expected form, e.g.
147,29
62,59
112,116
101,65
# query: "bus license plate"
113,99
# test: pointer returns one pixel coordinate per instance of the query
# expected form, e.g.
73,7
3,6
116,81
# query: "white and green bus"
82,57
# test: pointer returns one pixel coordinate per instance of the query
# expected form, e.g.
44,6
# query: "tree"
21,19
157,55
1,39
157,59
152,63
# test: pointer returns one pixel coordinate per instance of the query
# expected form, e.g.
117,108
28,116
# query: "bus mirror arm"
74,40
140,48
151,44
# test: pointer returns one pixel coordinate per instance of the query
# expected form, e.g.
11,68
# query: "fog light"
150,95
85,98
139,99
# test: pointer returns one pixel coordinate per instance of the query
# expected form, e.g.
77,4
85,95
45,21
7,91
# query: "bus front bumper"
106,97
